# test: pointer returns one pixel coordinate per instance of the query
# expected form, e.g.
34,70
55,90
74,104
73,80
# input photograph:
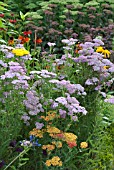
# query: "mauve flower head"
98,42
62,113
54,105
39,125
61,100
99,87
86,50
111,69
25,117
88,82
110,100
74,118
9,55
87,45
103,94
44,73
3,64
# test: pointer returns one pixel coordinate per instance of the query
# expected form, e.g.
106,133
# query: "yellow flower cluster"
52,129
83,144
37,132
55,161
48,147
105,52
58,144
20,52
50,116
70,137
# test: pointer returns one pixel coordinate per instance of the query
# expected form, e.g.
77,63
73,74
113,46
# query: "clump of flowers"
55,161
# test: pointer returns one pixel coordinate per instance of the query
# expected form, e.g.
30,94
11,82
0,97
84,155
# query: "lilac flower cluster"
3,64
44,73
96,61
92,81
7,51
18,73
69,42
71,104
110,100
71,88
33,106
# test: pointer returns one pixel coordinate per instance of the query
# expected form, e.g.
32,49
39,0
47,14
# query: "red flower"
12,21
71,144
27,33
60,135
1,15
12,14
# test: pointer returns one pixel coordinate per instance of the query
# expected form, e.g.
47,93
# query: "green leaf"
22,16
4,4
1,24
2,41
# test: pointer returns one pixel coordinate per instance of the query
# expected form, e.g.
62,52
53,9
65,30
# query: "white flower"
51,44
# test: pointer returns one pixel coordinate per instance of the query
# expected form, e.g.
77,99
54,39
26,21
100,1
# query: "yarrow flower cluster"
55,161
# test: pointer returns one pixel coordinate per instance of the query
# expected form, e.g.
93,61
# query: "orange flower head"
78,48
11,41
39,41
23,39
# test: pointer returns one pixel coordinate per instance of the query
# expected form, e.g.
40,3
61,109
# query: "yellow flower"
60,163
48,163
99,49
51,129
83,144
58,144
37,133
106,53
70,137
20,52
106,67
55,161
44,147
48,147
